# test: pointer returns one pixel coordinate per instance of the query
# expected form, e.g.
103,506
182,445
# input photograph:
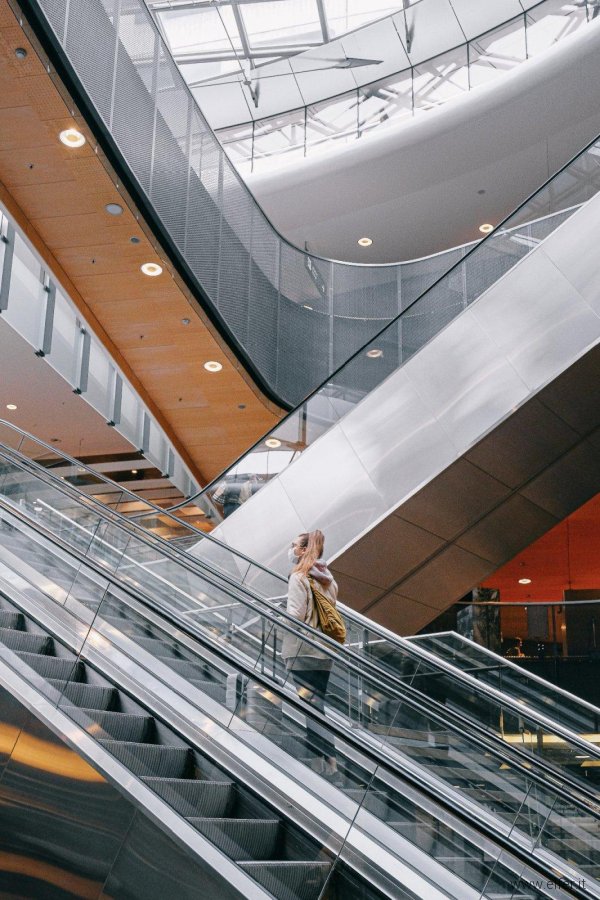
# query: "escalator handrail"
398,690
444,800
282,619
505,662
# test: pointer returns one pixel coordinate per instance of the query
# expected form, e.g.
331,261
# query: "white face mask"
291,556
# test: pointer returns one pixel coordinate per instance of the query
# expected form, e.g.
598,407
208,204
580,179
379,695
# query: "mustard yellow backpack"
330,621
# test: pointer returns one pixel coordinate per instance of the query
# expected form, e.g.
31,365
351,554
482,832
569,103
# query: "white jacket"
297,653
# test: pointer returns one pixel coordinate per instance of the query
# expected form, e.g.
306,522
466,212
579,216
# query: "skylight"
211,38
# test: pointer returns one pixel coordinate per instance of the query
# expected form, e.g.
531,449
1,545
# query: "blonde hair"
314,542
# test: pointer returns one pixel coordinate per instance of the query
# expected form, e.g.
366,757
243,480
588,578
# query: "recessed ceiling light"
273,443
212,366
524,580
486,228
375,353
151,269
10,406
134,240
114,209
134,471
21,53
70,137
364,242
185,321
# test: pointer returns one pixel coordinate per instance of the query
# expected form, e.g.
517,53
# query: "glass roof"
210,38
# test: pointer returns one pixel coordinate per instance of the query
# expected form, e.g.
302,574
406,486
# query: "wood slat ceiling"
59,195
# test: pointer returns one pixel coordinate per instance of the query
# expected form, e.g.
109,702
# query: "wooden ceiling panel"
59,195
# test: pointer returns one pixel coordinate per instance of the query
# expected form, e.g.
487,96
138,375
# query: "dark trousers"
311,685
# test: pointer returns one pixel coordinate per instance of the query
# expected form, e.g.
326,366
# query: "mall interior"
269,268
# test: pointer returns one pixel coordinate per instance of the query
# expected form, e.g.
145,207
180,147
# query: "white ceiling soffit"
248,59
427,186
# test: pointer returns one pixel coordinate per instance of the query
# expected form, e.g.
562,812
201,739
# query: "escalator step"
53,666
117,726
240,839
151,759
26,641
9,619
88,696
289,880
191,797
211,688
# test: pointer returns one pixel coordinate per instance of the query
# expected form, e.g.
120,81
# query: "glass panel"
27,297
331,122
283,22
440,79
551,22
496,52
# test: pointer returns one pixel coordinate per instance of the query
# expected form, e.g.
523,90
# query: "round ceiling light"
364,242
21,53
273,443
114,209
151,269
524,580
486,228
11,406
134,471
375,353
213,366
70,137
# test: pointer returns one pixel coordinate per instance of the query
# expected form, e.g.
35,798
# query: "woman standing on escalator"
310,666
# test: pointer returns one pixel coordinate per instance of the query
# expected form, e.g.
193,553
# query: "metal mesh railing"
291,316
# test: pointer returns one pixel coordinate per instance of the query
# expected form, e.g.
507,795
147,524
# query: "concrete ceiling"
417,189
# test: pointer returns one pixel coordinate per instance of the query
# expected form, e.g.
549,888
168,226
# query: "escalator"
521,806
241,618
211,797
502,343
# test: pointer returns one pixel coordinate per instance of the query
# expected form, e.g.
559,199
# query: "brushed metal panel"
263,528
60,817
464,381
445,578
330,489
449,503
568,483
506,530
388,552
397,439
521,445
537,319
564,248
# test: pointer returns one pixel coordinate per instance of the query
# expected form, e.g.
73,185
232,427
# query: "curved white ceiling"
429,184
